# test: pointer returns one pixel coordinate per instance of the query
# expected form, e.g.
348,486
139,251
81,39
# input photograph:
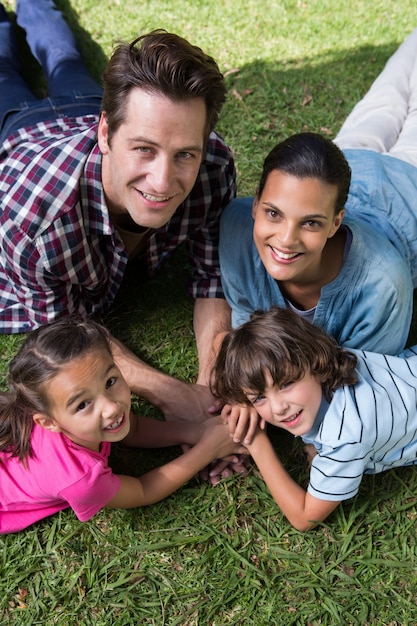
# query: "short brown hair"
166,64
286,346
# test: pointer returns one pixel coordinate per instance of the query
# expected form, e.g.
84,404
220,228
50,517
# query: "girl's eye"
111,381
83,405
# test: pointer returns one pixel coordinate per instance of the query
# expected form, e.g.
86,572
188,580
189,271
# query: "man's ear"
46,422
102,134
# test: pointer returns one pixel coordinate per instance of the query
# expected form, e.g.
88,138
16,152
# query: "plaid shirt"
60,254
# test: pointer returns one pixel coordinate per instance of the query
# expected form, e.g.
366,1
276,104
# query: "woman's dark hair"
165,64
40,358
310,155
280,343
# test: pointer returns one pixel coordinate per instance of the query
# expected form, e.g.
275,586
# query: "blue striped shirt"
367,428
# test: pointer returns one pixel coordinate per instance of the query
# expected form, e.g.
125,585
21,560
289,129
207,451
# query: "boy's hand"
242,420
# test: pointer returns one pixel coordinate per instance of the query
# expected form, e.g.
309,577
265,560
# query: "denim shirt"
369,304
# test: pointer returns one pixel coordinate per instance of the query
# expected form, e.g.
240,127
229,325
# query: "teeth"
148,196
292,418
284,255
115,424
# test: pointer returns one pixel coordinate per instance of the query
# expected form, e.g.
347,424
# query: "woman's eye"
312,224
272,214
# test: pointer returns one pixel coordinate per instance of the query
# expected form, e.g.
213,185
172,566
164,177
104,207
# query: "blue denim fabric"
72,90
369,304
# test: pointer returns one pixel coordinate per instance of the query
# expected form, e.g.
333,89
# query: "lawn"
224,555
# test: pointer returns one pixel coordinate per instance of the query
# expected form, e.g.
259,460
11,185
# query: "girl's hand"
216,435
242,420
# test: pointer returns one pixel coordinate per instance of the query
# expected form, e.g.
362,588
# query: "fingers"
216,407
242,421
224,468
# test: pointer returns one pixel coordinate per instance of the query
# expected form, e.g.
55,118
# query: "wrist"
259,440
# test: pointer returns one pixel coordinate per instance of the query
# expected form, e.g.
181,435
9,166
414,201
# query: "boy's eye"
257,399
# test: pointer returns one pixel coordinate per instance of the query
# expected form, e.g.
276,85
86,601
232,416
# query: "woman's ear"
255,204
337,221
46,422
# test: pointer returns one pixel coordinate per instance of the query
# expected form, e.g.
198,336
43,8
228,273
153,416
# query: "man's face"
152,161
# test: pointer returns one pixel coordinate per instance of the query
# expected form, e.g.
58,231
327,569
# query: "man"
92,179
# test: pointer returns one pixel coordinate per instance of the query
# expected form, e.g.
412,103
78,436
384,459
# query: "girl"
358,409
343,257
67,403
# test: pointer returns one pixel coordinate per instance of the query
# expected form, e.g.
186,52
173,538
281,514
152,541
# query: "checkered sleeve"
214,189
53,260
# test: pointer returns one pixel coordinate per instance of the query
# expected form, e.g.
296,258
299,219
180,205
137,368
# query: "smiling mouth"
292,418
152,198
285,256
115,424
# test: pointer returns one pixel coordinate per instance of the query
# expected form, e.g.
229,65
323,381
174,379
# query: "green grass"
217,556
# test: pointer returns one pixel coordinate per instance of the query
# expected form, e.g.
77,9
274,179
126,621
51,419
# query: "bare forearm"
175,398
164,480
144,380
211,321
301,509
161,482
152,433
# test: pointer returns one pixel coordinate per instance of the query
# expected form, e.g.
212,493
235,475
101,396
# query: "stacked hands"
242,423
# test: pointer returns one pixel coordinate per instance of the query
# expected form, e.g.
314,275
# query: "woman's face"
294,218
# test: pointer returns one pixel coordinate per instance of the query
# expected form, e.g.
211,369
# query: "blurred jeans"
385,120
72,90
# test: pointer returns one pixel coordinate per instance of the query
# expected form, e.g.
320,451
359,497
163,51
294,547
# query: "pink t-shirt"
61,474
